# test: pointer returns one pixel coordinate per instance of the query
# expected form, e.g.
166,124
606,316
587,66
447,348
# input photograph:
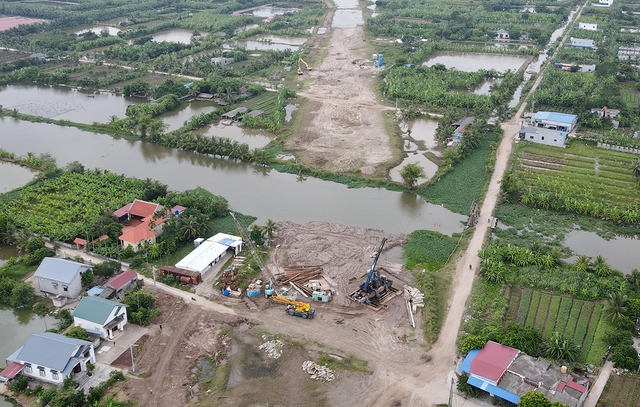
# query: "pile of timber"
297,276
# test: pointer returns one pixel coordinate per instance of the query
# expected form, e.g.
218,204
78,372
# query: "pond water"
247,28
250,189
279,39
485,87
422,140
474,61
253,45
176,117
175,35
288,112
618,251
12,176
516,96
252,137
15,328
64,103
348,14
97,30
7,251
270,11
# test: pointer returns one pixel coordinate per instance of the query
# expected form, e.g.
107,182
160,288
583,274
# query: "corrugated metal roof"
555,116
466,363
203,255
122,279
492,361
95,309
60,270
53,351
495,390
12,370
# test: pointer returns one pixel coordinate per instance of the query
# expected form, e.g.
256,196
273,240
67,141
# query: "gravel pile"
318,372
273,348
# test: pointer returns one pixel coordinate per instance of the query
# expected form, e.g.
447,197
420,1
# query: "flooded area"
485,87
175,35
419,139
474,61
348,14
247,28
98,29
12,176
268,11
175,118
269,43
288,112
249,188
252,137
617,251
63,103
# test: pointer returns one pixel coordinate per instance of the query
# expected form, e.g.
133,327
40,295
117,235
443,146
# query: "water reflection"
267,194
12,176
175,35
474,61
618,251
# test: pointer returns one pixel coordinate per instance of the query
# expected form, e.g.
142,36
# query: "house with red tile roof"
142,222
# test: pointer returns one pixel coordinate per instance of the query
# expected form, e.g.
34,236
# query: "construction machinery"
306,66
253,248
296,308
376,287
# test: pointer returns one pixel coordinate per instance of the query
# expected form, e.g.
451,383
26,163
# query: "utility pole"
133,365
153,271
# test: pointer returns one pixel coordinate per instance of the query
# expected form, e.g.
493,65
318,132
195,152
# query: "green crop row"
563,314
553,315
543,309
533,308
592,328
598,346
583,323
570,328
514,302
525,301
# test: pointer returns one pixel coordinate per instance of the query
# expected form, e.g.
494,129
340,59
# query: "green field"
265,102
550,313
620,391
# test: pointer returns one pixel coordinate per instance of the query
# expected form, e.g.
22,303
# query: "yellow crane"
296,308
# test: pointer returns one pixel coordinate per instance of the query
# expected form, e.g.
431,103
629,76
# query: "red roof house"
492,361
122,280
141,227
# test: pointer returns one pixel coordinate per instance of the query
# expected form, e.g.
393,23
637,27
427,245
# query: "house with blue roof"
100,316
60,278
506,373
555,121
50,357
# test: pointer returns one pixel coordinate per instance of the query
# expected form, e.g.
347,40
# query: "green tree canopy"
534,399
78,333
410,174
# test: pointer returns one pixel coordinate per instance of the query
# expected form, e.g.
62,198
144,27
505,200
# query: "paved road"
598,386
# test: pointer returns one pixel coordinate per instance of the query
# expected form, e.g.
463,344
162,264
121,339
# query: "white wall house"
51,357
59,277
100,316
588,26
543,136
210,252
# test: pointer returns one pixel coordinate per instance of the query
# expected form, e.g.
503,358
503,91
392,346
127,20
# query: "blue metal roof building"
555,121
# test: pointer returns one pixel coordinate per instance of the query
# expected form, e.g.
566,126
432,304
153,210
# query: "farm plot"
620,391
579,179
577,319
265,102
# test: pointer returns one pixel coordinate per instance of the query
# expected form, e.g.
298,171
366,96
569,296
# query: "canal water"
348,14
13,176
474,61
419,138
618,251
250,189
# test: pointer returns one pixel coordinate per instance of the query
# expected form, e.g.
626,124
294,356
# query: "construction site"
334,316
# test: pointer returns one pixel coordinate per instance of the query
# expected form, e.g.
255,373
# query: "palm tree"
582,263
191,226
559,347
616,305
600,267
635,168
269,228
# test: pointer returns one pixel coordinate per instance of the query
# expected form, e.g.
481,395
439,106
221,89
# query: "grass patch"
429,249
525,302
350,363
554,308
465,183
533,308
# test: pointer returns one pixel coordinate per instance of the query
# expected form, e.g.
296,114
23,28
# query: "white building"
605,3
209,252
50,357
588,26
543,136
100,316
60,278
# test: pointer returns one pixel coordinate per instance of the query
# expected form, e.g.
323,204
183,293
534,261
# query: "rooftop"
60,270
96,309
122,279
493,360
51,350
555,116
141,209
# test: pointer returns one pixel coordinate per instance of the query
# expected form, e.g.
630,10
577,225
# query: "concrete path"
598,386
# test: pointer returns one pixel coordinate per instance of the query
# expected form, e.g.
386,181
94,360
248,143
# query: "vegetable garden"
620,391
580,179
548,313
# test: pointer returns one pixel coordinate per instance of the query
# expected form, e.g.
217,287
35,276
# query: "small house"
606,112
222,61
233,113
502,34
100,316
605,3
506,373
543,136
583,43
50,357
116,286
588,26
142,221
39,57
60,278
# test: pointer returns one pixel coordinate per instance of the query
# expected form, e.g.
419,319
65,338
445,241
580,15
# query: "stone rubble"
318,372
273,348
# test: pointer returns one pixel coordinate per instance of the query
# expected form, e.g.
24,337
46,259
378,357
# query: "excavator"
306,65
296,308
